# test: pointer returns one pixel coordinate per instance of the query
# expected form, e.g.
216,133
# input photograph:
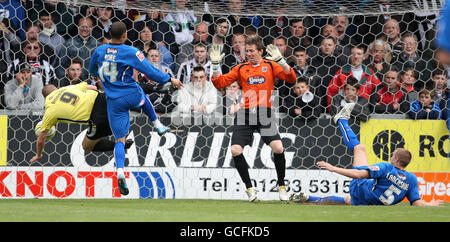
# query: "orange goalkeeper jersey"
257,82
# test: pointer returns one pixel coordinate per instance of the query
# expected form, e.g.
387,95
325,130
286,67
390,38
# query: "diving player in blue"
378,184
114,64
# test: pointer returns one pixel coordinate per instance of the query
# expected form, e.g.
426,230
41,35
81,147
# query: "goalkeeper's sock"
242,168
104,145
350,138
326,200
149,110
280,167
119,154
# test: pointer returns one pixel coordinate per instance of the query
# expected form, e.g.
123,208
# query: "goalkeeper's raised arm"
273,67
275,55
216,57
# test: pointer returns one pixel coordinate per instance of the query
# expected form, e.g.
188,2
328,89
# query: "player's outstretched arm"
40,143
176,83
351,173
422,203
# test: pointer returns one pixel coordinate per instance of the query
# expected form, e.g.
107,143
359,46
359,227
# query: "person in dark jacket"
326,63
302,102
412,57
425,107
73,74
161,30
361,111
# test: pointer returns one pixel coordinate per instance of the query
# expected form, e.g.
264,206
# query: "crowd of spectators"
385,63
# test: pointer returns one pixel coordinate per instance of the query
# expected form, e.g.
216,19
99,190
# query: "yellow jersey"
69,104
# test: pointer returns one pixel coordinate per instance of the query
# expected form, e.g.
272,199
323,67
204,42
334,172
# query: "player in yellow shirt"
81,104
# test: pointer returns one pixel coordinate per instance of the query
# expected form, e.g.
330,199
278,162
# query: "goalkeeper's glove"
275,55
215,57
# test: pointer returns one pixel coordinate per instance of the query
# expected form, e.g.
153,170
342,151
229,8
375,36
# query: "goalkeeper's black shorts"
248,121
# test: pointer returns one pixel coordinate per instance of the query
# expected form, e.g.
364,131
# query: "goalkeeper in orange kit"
256,78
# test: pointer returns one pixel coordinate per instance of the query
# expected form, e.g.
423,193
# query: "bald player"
81,104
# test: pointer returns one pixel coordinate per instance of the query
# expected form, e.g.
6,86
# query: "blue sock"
326,200
119,154
149,110
350,138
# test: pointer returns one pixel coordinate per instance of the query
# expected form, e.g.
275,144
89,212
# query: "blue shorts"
119,112
361,192
357,191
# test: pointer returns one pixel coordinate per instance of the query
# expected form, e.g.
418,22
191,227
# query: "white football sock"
120,171
157,124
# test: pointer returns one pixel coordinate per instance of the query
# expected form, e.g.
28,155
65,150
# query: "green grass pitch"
182,210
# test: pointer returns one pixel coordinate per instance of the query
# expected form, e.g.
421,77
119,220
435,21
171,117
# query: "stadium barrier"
194,161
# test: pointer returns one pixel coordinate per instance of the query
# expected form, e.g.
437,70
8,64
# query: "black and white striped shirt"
42,68
185,70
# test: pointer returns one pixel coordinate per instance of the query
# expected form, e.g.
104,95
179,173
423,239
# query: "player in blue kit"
378,184
114,64
443,42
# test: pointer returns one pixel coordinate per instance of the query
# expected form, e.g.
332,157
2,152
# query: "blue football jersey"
114,65
443,34
387,186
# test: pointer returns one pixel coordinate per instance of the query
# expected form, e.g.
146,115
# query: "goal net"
324,41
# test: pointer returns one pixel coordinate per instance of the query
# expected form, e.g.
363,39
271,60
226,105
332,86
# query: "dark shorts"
98,123
260,120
